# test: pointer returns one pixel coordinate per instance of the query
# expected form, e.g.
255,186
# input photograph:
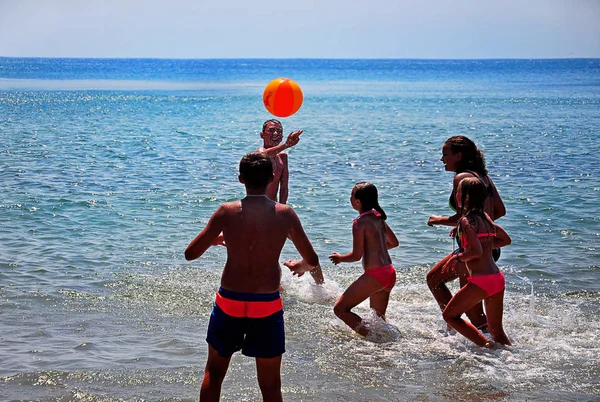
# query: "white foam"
380,331
305,289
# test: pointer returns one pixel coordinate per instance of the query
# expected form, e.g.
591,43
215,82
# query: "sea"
110,167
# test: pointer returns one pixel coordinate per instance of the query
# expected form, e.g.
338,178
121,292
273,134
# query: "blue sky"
302,28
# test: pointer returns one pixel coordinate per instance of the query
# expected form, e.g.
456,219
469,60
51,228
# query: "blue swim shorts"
252,323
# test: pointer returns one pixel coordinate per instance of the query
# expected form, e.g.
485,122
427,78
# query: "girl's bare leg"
475,314
442,272
462,301
494,308
356,293
379,302
447,270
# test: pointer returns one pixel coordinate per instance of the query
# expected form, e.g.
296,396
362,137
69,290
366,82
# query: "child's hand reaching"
336,258
293,138
298,267
433,220
219,241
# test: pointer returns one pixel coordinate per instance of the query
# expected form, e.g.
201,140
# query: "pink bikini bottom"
386,275
491,284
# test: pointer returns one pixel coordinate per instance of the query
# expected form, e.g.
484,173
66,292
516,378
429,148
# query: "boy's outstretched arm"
291,140
207,237
310,259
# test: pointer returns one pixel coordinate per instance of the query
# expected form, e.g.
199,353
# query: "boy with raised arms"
248,311
272,134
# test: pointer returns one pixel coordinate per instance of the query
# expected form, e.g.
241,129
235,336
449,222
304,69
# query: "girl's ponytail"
381,211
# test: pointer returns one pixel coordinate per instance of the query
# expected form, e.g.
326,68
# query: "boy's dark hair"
270,121
366,193
472,157
256,169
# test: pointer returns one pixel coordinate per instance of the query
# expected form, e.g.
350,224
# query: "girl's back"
373,230
479,233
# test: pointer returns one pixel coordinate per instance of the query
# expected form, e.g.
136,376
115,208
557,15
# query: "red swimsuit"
386,274
491,283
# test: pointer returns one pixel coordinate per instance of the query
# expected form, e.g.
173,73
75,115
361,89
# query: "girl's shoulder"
366,216
472,220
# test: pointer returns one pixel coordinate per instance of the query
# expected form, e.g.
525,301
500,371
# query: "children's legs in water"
462,301
494,308
357,292
268,372
379,302
214,373
446,270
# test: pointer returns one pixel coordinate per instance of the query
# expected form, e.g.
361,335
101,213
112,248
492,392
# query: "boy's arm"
207,237
310,259
358,239
291,140
317,275
285,178
390,237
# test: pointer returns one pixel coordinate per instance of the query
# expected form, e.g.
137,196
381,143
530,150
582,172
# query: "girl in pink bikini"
479,235
372,238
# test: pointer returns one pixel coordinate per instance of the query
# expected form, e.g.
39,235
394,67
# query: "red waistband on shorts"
250,309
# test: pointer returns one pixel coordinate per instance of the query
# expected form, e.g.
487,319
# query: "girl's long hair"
472,157
475,189
366,193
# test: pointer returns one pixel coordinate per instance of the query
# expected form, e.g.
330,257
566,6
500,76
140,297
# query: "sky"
421,29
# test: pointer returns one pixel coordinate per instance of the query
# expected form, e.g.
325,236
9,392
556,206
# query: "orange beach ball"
282,97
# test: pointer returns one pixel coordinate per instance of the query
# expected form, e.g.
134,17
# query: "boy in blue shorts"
248,310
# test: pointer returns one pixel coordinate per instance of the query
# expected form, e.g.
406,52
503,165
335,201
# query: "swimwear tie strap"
369,212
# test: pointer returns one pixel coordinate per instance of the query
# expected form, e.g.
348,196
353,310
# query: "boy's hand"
293,138
219,241
335,258
298,267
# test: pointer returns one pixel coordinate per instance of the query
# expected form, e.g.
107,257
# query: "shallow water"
111,167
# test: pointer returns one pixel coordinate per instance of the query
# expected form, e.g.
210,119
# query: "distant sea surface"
110,167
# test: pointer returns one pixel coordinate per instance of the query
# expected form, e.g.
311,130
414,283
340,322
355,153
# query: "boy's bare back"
255,230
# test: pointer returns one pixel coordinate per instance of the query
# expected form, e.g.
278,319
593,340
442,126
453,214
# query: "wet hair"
477,192
270,121
366,193
472,157
256,169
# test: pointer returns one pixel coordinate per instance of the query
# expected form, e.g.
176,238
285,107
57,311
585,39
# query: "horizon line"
300,58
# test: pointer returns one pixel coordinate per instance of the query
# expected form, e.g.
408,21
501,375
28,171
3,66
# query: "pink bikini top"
464,243
369,212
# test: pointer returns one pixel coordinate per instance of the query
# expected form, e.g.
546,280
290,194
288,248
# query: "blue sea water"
110,167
